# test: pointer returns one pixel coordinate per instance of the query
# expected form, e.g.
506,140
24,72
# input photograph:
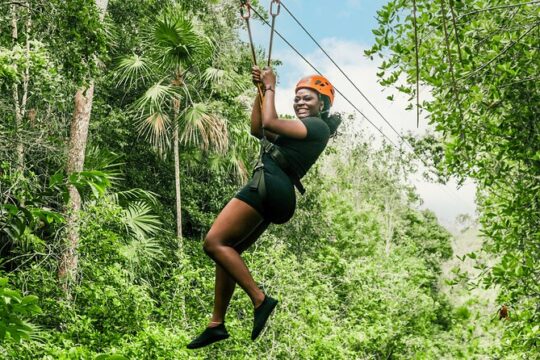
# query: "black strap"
283,163
257,182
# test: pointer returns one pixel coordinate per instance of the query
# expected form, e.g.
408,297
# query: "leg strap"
257,182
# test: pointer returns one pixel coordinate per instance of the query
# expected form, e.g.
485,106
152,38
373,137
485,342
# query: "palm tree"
174,53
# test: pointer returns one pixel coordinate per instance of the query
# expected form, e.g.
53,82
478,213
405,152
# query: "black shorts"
280,202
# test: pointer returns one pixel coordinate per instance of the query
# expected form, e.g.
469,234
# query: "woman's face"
307,103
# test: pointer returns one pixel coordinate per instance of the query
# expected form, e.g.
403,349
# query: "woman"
248,215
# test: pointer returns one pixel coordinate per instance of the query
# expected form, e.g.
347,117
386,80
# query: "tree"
174,51
76,152
480,61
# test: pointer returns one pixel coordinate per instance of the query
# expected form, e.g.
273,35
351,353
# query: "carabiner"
245,5
275,12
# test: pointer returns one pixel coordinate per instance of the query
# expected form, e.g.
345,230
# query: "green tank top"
302,153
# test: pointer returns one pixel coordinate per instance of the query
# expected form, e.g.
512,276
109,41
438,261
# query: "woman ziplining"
291,145
288,150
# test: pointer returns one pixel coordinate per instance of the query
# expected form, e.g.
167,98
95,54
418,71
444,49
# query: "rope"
245,13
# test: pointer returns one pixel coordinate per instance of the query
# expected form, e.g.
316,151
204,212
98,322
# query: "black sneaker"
261,315
209,336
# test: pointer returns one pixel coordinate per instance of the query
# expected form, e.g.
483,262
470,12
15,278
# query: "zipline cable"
346,76
318,72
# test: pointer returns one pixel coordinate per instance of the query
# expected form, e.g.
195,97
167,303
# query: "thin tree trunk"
26,75
177,186
15,95
77,147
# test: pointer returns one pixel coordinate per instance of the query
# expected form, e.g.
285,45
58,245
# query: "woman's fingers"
268,77
256,74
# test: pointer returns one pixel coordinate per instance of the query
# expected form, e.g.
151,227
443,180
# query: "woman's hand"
268,78
256,75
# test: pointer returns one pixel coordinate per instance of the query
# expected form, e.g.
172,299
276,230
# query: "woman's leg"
225,284
235,222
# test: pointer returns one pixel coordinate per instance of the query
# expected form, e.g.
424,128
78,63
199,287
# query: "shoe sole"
207,344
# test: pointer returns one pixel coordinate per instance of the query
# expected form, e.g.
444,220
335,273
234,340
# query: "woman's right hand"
256,75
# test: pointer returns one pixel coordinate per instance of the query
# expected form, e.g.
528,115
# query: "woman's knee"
211,243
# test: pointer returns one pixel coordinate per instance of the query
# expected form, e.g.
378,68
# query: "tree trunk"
77,146
177,186
15,94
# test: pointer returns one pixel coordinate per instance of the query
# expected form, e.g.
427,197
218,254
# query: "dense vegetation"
123,275
480,60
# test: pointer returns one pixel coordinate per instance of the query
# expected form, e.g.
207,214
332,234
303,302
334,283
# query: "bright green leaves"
14,308
95,180
78,38
132,69
177,42
487,123
140,221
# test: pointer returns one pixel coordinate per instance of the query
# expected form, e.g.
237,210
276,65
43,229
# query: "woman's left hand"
268,78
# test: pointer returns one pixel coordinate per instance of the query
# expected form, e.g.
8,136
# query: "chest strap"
283,163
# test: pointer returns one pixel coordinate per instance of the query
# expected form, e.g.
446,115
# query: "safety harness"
257,182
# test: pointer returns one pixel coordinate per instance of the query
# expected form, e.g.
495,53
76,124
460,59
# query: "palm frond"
132,70
142,253
202,129
105,161
154,128
135,194
178,43
156,98
139,221
239,168
223,79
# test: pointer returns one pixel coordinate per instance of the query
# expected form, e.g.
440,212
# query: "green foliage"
356,270
26,220
480,61
13,309
78,37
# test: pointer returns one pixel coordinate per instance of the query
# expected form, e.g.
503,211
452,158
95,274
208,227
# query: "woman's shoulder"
316,127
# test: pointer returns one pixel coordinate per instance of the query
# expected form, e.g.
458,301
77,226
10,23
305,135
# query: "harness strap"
284,164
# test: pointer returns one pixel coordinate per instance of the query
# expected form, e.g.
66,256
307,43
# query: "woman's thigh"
235,223
246,242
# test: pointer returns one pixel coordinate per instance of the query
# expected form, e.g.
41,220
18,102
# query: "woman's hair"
332,120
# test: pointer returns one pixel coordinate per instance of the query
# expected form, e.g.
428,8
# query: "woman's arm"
256,115
270,121
256,122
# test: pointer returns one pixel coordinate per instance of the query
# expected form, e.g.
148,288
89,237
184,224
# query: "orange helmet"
318,83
